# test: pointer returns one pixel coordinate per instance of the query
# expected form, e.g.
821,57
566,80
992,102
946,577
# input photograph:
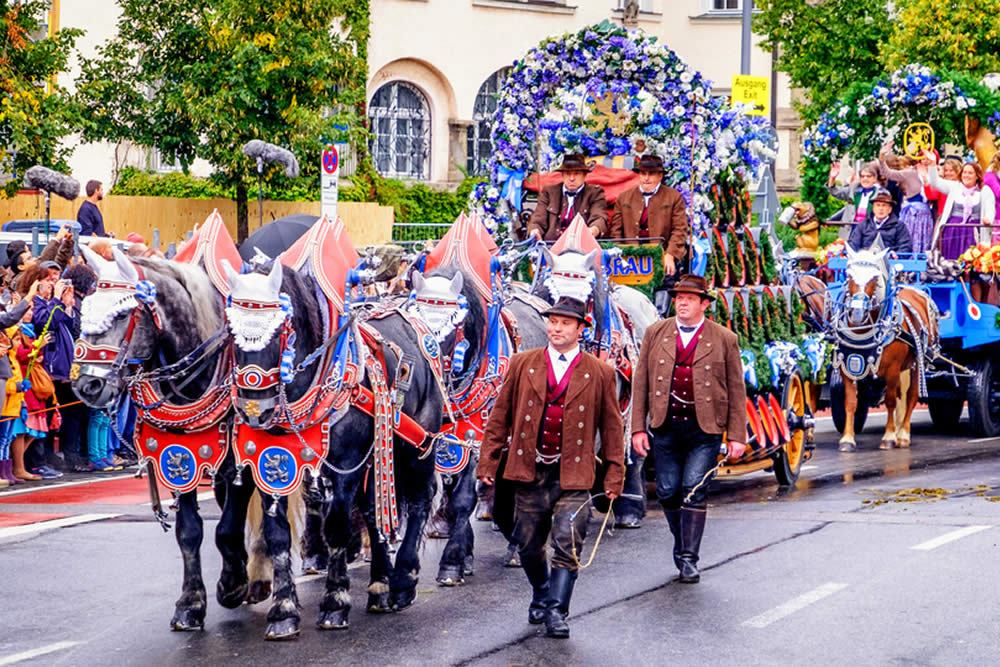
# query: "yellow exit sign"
754,91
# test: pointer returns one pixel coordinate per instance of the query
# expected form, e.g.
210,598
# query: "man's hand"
640,443
735,450
67,297
834,171
596,231
669,264
535,234
487,480
63,232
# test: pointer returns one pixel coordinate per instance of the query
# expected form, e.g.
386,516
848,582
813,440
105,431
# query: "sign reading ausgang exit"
754,91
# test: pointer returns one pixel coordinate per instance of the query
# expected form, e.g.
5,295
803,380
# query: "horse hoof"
886,444
629,522
231,598
450,575
333,620
403,599
259,591
188,620
468,568
903,444
282,630
378,603
847,447
314,565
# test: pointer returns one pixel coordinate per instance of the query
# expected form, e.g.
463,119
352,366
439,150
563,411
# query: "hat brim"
674,291
660,170
564,312
584,169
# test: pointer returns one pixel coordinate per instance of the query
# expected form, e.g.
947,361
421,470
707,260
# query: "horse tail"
297,518
259,565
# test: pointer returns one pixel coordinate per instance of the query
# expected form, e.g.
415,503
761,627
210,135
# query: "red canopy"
469,246
614,181
210,244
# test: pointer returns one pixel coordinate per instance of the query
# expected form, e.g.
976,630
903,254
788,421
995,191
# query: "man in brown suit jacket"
559,204
688,390
651,210
552,405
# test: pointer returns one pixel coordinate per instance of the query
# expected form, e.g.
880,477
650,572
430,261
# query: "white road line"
949,537
27,529
63,485
794,605
15,658
202,497
977,440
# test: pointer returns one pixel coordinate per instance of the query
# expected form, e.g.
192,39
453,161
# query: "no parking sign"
329,179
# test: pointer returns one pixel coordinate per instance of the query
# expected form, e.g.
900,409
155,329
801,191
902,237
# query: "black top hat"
575,162
568,307
649,163
692,284
883,195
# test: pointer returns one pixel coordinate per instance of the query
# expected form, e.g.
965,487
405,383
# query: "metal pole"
747,37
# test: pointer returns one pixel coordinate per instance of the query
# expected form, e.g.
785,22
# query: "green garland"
758,336
752,255
766,316
739,321
768,267
655,251
798,311
721,263
763,367
720,312
737,264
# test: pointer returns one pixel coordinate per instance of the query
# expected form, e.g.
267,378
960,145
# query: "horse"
887,332
392,374
126,336
447,300
620,316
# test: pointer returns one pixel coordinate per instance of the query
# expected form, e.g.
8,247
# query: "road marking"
202,497
949,537
978,440
15,531
15,658
63,485
810,467
794,605
301,579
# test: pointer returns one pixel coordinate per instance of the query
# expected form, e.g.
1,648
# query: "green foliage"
961,35
655,252
768,267
268,69
35,113
824,47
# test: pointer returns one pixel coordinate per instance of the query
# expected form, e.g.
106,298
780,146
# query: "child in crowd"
32,421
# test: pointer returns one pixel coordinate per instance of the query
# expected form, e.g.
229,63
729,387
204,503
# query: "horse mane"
306,316
190,320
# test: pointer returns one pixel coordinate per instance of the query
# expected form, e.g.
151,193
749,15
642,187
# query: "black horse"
348,468
189,315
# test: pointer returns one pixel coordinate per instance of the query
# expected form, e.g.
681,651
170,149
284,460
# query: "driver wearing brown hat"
688,390
881,223
559,204
653,210
553,404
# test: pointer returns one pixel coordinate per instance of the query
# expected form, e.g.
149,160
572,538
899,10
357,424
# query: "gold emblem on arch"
917,138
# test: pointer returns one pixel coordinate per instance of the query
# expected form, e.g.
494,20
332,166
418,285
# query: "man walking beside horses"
551,408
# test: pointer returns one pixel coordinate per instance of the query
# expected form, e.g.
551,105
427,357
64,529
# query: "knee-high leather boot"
537,570
561,584
674,521
692,527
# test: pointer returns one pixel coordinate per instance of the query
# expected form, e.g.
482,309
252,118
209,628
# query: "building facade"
435,67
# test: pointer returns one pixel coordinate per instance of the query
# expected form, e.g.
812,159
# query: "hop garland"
752,254
720,312
719,256
740,326
763,367
768,268
737,264
798,311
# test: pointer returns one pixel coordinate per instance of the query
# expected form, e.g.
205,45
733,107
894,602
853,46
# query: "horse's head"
572,274
115,329
451,307
260,321
864,291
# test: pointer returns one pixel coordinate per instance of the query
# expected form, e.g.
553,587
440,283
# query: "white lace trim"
253,329
100,309
560,286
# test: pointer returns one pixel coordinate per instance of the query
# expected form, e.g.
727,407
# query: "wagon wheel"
946,413
984,398
837,410
788,460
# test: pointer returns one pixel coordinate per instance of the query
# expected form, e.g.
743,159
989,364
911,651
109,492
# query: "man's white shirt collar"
559,367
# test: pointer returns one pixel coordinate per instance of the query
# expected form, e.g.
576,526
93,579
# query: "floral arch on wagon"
600,92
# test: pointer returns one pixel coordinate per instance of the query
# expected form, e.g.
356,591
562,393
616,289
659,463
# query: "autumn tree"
35,113
200,78
961,35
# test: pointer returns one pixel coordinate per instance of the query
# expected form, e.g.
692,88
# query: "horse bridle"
254,378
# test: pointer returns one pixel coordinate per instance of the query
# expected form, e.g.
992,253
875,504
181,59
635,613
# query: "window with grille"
401,131
480,143
725,5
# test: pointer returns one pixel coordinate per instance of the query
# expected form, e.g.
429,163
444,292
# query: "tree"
962,35
824,46
35,113
199,78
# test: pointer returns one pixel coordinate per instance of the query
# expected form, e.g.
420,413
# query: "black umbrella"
275,237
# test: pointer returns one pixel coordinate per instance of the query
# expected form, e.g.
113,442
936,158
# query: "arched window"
480,147
401,131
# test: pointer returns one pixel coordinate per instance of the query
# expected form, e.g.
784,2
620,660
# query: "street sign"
754,91
329,180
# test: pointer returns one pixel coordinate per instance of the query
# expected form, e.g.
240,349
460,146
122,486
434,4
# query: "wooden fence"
367,223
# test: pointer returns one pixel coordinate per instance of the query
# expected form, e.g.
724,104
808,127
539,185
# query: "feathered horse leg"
189,613
283,617
456,561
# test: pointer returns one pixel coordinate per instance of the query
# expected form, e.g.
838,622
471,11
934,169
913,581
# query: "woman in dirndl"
915,213
968,212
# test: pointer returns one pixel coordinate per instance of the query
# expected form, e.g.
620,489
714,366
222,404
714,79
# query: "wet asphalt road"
837,571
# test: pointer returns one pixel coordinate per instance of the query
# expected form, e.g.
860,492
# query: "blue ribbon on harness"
513,185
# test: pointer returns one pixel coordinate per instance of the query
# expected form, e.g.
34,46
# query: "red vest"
550,439
681,403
